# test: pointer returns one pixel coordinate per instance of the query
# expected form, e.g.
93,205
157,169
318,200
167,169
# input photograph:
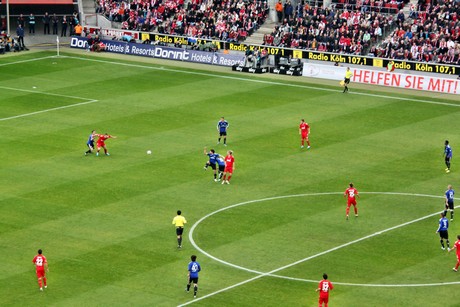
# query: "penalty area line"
44,93
87,100
48,110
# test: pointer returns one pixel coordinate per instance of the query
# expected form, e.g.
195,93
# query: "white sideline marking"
263,274
194,73
266,81
25,61
88,101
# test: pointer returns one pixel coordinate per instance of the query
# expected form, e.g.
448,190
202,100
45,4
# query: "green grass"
104,223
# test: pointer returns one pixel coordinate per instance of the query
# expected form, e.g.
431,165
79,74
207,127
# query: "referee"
346,81
179,221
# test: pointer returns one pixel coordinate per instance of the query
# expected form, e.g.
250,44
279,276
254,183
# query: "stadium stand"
332,30
230,20
430,34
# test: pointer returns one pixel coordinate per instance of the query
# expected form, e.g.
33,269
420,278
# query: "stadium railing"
277,52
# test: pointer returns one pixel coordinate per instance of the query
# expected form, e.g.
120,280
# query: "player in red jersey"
324,287
456,246
41,265
304,131
351,193
229,167
101,142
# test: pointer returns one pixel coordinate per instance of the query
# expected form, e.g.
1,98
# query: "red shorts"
304,135
228,170
324,300
40,273
351,202
101,144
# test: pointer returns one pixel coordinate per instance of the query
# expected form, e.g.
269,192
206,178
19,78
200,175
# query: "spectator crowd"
352,29
227,20
8,43
428,32
330,30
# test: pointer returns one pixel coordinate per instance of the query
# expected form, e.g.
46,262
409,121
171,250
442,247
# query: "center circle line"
271,273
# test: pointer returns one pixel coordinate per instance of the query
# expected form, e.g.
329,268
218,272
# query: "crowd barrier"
364,75
163,52
342,59
384,78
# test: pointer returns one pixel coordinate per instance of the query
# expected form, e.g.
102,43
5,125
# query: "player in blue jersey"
449,202
221,164
443,231
222,127
212,162
193,269
90,143
447,155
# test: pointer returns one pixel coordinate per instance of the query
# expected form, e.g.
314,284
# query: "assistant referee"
179,221
348,75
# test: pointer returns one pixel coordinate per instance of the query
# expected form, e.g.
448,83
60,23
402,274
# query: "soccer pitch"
104,223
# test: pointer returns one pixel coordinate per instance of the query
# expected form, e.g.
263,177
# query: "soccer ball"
149,152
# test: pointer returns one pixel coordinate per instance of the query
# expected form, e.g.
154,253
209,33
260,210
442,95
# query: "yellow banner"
145,36
297,54
377,63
